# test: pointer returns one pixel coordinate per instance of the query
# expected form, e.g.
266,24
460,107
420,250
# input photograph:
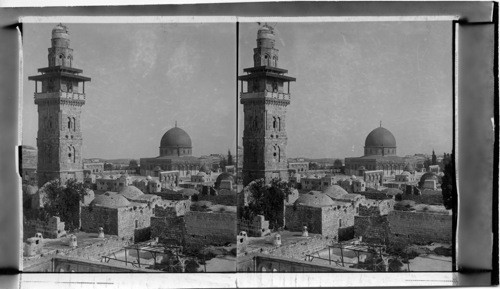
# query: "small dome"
223,177
204,168
380,137
130,192
314,199
175,137
406,173
334,191
110,200
189,192
409,168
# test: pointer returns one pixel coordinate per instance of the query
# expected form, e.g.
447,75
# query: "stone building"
118,216
113,183
298,167
379,154
265,98
320,213
175,155
60,98
90,167
317,183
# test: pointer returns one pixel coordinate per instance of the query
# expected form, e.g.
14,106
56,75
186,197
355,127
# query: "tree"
229,158
223,164
337,164
427,163
449,184
313,166
434,158
64,202
108,167
133,164
267,200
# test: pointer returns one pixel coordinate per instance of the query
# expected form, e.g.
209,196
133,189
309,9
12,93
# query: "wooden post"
126,263
138,258
342,254
329,256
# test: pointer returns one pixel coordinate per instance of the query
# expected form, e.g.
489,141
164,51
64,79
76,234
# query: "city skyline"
145,78
353,75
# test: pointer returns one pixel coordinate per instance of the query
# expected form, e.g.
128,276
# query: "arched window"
274,122
74,123
69,122
279,123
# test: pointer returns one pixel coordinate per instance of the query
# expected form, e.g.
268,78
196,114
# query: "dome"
314,199
130,192
175,137
380,137
428,176
110,200
334,191
201,174
223,177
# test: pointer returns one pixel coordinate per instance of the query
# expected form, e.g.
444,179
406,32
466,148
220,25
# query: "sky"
144,78
350,76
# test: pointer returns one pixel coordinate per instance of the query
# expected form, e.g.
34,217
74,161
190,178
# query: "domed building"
175,154
379,155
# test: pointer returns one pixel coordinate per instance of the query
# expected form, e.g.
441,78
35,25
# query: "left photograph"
129,150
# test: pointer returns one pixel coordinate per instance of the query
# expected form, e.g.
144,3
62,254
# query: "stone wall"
133,218
210,228
257,227
51,229
429,199
419,227
226,200
298,216
168,230
94,217
372,229
404,227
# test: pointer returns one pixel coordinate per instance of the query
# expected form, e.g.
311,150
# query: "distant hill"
113,161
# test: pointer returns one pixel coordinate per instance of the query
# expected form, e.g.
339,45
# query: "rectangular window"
136,224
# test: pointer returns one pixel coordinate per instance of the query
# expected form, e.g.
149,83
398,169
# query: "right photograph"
345,147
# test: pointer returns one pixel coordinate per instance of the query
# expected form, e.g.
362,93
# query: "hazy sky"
350,76
144,78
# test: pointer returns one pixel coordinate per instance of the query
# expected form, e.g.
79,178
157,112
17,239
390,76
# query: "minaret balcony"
60,95
265,94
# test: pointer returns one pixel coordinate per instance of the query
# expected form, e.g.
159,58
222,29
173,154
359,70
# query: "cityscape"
338,166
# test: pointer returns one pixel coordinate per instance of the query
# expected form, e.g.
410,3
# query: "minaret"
60,99
265,98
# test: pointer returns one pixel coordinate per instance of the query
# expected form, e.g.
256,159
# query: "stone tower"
60,98
265,98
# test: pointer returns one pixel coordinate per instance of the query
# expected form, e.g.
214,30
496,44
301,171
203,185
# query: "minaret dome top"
60,31
265,31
